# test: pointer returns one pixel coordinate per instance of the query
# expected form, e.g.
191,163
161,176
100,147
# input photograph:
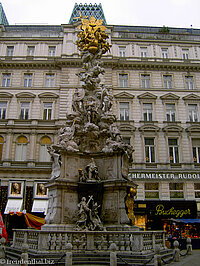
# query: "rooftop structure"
87,11
3,19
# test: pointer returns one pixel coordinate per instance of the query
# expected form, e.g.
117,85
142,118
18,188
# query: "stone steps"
96,258
142,259
91,258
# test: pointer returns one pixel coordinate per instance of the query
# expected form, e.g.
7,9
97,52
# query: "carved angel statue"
88,217
55,157
92,171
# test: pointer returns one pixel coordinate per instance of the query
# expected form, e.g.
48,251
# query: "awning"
13,205
40,206
186,221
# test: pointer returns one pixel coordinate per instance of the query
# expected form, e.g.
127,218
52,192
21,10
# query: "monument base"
57,227
123,228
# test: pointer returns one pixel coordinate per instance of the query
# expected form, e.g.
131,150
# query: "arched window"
1,146
44,155
21,148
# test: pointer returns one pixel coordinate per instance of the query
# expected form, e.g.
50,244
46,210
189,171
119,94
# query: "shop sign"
178,213
165,176
162,209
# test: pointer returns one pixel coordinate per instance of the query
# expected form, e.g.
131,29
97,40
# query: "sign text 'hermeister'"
164,176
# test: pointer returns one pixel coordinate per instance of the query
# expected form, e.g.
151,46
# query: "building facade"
154,74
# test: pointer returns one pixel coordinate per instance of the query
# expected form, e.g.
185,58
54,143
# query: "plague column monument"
89,187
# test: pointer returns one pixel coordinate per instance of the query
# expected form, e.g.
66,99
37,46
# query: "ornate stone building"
154,74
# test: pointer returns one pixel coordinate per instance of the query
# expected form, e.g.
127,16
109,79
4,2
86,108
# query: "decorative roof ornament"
92,37
87,10
3,19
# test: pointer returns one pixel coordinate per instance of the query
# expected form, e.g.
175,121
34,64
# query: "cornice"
157,41
53,63
114,63
31,39
25,169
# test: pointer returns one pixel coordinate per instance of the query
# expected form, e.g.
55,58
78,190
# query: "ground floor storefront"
152,214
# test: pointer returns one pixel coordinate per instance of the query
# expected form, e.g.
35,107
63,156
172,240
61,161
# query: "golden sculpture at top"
93,36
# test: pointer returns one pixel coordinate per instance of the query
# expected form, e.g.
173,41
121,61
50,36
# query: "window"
147,111
50,80
6,80
189,82
52,51
149,150
197,190
196,150
3,107
164,52
122,51
47,112
145,81
24,110
28,80
173,150
185,54
151,191
143,51
124,111
1,146
21,149
30,50
44,154
170,112
176,190
123,80
167,81
193,112
10,50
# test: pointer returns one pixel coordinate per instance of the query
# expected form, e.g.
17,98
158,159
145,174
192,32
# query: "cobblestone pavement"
189,260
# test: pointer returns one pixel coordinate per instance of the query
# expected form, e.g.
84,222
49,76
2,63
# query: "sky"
169,13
